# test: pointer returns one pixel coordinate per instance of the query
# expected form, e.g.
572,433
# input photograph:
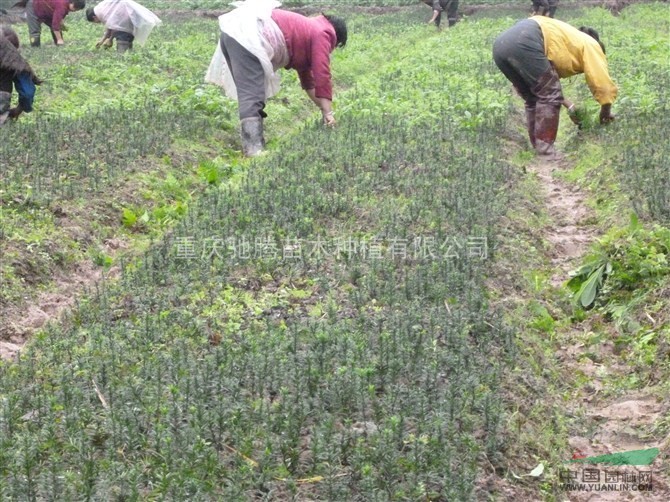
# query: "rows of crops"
318,327
360,368
642,105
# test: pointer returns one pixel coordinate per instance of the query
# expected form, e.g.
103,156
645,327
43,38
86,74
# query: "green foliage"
588,279
220,375
625,261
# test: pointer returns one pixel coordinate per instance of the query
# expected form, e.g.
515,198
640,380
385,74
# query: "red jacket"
309,41
51,12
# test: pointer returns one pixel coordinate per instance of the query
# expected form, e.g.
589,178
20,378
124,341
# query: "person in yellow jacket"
534,54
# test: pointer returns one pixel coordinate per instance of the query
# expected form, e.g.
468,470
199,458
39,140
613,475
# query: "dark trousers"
451,6
519,54
248,76
123,36
545,7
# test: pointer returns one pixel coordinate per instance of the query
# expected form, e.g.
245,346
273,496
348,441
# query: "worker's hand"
329,119
606,114
99,43
107,43
573,113
14,113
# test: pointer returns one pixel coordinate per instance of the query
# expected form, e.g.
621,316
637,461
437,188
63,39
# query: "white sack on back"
246,24
128,16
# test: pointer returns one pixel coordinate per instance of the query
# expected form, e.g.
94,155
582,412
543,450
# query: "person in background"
15,73
124,20
451,6
545,8
256,40
51,13
534,54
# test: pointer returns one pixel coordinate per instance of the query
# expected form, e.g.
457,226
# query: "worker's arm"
105,36
600,83
325,105
317,81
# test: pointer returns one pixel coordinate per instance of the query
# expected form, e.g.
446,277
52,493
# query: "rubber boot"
35,41
123,46
546,127
252,136
530,123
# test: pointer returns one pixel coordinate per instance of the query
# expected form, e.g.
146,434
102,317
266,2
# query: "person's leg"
519,54
551,8
452,12
249,78
124,41
547,111
34,25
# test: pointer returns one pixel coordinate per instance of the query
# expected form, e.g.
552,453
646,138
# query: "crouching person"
124,20
52,13
535,54
256,40
15,73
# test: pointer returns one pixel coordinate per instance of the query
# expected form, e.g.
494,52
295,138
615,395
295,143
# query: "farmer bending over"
124,20
256,40
451,6
51,13
15,73
534,54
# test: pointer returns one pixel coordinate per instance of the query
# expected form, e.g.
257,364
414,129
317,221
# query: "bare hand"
606,114
606,119
574,115
329,119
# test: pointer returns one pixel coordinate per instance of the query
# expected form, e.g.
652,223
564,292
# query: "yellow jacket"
572,51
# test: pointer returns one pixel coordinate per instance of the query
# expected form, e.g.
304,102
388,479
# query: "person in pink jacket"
51,13
256,40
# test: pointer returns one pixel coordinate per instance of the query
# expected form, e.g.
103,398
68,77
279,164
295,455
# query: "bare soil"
612,423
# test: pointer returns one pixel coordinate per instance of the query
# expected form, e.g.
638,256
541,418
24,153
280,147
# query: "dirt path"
569,234
18,324
611,424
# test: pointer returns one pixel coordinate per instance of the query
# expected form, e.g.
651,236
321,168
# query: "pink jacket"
51,12
309,41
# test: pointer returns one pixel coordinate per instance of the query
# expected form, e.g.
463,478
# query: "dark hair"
9,34
594,34
78,4
90,14
340,26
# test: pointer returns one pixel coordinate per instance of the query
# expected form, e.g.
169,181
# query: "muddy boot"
123,46
252,136
35,42
546,127
530,123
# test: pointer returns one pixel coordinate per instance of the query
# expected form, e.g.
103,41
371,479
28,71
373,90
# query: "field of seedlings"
322,322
